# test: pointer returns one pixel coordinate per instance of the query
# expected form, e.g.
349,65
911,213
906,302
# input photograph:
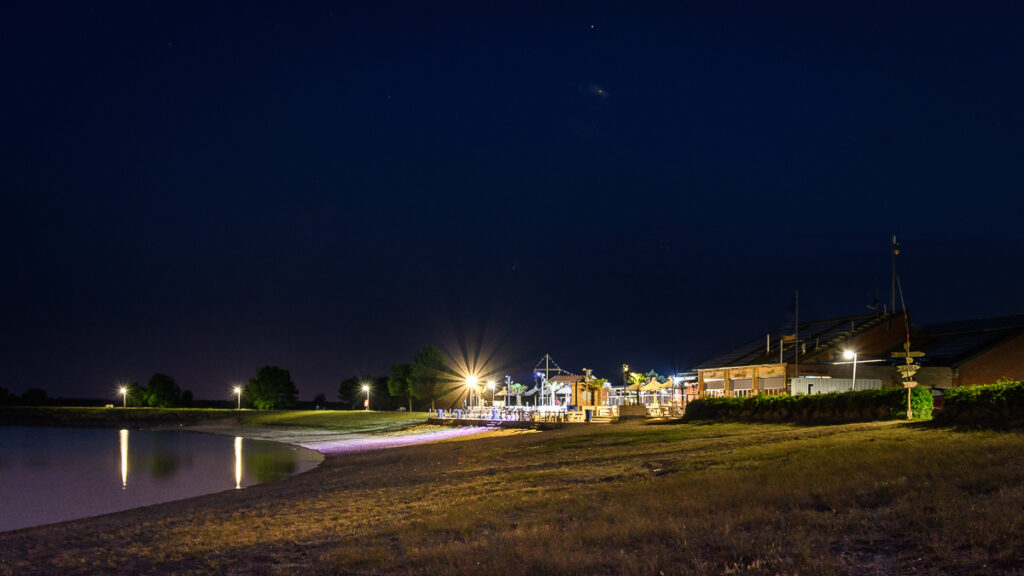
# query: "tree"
187,399
350,389
517,389
136,395
272,388
35,397
596,384
655,376
162,392
320,400
638,380
401,383
430,371
6,397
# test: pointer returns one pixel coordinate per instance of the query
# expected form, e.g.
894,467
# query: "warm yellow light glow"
238,389
849,354
490,384
124,458
238,462
471,381
366,388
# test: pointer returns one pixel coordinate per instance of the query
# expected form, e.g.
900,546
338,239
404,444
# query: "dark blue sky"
201,190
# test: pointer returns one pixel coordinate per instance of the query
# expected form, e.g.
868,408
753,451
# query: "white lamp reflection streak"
238,462
124,458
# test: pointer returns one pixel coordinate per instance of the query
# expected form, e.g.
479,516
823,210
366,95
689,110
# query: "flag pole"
895,249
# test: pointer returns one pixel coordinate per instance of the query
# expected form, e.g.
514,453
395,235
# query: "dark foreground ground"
885,498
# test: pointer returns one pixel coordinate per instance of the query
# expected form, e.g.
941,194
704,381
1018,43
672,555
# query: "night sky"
201,190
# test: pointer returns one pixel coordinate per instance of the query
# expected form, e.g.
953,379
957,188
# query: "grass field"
875,498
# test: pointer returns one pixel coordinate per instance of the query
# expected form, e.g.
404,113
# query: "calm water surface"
56,474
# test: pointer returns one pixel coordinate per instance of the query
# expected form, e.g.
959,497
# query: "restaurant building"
769,363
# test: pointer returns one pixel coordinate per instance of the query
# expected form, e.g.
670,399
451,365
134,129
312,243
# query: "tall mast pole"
796,332
895,246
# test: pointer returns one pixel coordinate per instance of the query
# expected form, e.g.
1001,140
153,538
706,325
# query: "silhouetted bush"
860,406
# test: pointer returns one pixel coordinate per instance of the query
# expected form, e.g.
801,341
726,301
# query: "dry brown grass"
886,498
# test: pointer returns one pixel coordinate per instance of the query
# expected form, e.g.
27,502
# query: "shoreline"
334,443
779,493
325,443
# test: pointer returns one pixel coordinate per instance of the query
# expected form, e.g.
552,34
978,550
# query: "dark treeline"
421,383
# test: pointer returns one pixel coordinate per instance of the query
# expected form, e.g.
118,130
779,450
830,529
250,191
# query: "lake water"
55,474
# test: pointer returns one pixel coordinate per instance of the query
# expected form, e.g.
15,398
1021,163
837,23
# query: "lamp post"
540,377
366,402
238,392
471,385
850,354
124,395
490,384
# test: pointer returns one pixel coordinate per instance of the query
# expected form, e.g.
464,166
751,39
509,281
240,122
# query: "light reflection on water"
55,474
124,458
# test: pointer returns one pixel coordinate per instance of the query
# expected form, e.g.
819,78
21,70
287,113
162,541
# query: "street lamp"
238,392
471,384
850,354
543,382
366,403
490,385
124,395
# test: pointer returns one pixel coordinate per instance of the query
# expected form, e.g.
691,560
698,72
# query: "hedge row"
999,405
860,406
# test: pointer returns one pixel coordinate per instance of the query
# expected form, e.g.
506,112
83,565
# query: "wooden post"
910,411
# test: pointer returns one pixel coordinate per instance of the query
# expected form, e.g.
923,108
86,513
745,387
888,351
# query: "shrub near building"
999,405
861,406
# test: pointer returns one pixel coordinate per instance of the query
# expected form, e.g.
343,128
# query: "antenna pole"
796,331
895,252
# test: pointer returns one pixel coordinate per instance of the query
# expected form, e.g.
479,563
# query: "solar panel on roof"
957,346
975,325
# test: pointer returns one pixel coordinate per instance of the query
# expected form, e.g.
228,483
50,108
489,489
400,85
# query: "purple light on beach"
363,444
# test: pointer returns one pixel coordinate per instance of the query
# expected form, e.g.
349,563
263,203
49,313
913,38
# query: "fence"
831,385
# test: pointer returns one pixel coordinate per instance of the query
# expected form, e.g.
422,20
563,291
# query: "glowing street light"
366,402
471,384
850,354
490,384
543,384
124,395
238,392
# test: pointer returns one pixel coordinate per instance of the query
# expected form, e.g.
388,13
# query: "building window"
714,393
741,393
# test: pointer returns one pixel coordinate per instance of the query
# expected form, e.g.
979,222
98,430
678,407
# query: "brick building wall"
1005,361
935,376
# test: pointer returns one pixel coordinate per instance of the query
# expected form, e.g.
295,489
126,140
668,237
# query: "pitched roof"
953,343
815,336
